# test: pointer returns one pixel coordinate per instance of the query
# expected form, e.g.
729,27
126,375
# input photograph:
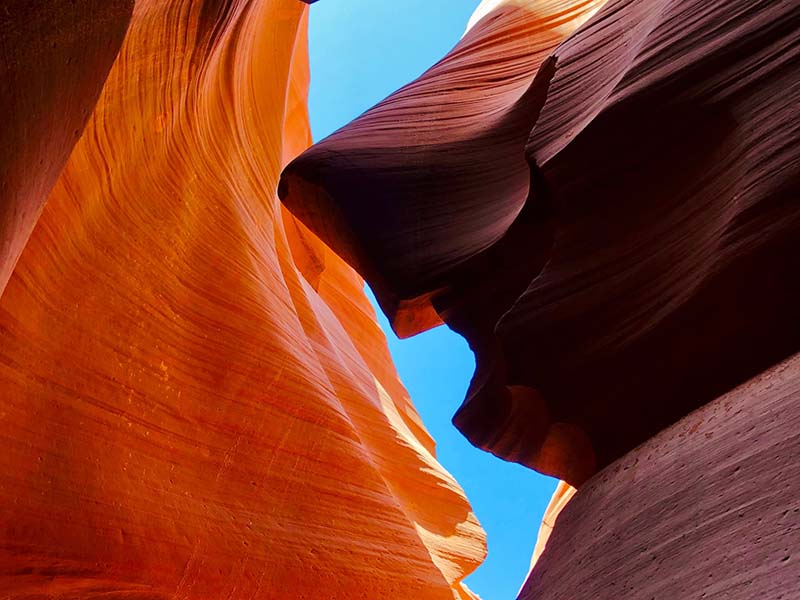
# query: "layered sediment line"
197,400
54,59
633,259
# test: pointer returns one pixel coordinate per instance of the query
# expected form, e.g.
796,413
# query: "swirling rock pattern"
54,58
402,192
708,508
613,224
196,399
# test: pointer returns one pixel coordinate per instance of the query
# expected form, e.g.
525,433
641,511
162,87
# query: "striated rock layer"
54,58
196,399
414,190
708,508
613,224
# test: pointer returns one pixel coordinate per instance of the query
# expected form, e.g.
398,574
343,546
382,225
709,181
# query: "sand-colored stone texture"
196,399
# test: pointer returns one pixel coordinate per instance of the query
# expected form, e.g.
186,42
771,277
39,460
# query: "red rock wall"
436,173
611,222
54,58
196,399
708,508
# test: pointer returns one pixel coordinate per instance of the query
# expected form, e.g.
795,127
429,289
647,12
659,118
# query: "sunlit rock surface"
196,400
708,508
561,497
54,57
612,223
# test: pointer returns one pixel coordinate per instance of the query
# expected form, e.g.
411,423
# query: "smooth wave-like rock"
196,399
708,508
414,191
612,224
54,58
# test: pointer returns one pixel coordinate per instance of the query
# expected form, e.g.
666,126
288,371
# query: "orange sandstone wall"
561,497
196,400
54,58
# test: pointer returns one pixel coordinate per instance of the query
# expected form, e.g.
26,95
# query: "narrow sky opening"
361,51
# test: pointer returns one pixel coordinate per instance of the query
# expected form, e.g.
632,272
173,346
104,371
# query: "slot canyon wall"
603,198
609,220
708,508
196,399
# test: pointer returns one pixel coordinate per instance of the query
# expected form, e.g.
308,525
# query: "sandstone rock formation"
54,58
196,399
561,497
708,508
613,224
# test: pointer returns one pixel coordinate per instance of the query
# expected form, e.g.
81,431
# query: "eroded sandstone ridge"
612,222
54,58
196,400
708,508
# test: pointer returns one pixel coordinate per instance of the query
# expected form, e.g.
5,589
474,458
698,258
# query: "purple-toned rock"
708,508
641,262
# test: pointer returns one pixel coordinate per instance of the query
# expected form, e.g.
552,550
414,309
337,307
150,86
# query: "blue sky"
361,51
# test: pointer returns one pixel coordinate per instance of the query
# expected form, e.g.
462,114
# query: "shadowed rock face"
707,508
54,58
613,223
196,400
416,190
